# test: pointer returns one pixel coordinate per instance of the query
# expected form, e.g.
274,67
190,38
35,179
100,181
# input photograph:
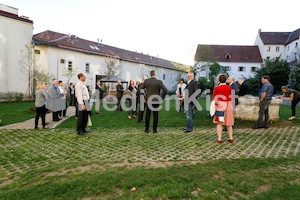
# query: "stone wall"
248,107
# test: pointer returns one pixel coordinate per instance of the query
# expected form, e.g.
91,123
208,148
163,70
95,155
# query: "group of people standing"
149,94
52,98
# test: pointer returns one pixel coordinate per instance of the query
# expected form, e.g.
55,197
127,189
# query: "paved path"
29,124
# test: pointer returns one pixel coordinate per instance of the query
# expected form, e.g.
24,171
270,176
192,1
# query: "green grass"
106,164
11,113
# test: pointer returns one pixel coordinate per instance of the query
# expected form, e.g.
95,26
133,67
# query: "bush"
19,96
14,96
10,96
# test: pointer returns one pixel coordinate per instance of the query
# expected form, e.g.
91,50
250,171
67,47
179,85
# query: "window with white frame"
277,49
62,61
164,76
228,68
296,44
269,49
70,65
254,69
241,69
87,67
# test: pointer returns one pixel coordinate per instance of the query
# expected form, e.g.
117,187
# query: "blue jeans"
189,117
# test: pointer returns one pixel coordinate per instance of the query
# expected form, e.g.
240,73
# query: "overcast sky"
170,29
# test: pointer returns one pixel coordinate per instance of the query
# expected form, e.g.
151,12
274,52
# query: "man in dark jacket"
155,90
244,88
190,89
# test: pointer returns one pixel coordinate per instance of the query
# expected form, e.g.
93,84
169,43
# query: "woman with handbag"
224,114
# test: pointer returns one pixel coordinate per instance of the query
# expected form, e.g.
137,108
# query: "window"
37,51
269,49
288,48
242,69
296,45
70,66
277,49
227,68
164,76
254,69
227,56
87,67
62,61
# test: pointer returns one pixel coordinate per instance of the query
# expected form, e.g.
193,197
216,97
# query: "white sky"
170,29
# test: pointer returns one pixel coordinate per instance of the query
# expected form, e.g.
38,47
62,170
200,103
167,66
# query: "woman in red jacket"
224,110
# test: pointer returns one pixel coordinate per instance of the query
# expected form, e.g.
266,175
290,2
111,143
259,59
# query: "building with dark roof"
240,61
279,44
57,52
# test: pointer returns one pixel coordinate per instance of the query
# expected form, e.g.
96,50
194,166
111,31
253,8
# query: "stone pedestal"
248,107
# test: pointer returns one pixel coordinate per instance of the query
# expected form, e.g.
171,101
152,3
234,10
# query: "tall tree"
111,68
27,66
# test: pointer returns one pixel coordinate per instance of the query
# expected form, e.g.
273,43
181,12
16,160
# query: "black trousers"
40,112
294,104
155,117
55,115
82,120
141,109
119,107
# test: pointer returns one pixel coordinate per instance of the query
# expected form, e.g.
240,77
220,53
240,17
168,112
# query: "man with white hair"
52,103
191,88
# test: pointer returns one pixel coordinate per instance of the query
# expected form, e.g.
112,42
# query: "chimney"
259,31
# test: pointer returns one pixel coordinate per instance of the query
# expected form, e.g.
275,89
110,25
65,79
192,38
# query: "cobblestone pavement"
29,124
24,150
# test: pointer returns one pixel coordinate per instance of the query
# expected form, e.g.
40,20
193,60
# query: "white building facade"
15,34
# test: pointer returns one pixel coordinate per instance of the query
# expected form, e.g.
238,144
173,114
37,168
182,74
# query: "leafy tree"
69,73
215,69
294,77
278,70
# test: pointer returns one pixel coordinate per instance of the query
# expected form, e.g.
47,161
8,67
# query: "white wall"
291,51
267,50
234,69
14,36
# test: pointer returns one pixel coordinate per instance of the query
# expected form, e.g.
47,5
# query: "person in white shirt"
180,88
82,96
63,93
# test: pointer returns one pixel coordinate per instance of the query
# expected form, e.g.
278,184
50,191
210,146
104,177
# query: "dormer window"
227,56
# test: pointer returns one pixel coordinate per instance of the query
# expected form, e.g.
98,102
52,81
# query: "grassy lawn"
117,156
15,112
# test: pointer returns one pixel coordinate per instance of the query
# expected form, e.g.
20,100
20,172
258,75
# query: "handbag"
89,122
212,109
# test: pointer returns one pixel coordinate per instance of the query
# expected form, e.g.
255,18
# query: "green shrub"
10,96
19,96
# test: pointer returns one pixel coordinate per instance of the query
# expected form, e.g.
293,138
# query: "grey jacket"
40,97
